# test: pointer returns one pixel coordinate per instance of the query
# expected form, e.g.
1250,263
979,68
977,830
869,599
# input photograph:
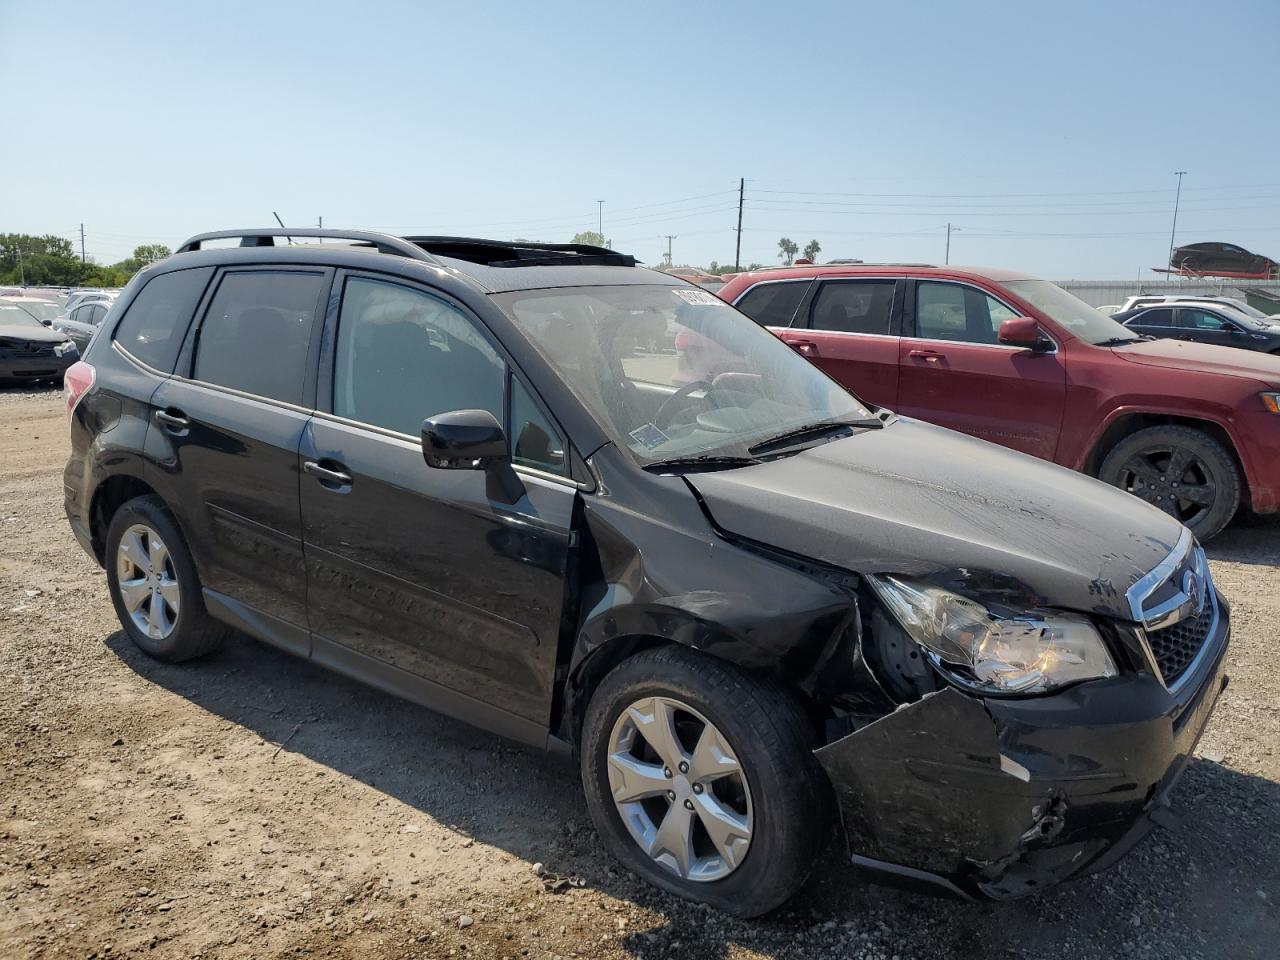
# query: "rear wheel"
702,780
1182,471
154,586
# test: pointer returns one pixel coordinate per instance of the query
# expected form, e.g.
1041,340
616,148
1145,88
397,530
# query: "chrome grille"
1175,647
1178,607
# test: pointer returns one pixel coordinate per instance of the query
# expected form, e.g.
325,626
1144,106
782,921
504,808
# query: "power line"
985,196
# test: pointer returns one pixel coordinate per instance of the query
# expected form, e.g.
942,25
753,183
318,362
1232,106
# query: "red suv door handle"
806,348
930,356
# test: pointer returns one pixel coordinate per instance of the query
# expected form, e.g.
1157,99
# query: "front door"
1206,326
415,573
956,373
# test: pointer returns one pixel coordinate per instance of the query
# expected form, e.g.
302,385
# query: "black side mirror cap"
472,440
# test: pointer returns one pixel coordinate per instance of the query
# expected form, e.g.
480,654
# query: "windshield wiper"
814,429
708,461
1113,341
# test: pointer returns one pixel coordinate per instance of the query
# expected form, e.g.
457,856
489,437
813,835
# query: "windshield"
40,309
1247,310
13,315
1069,311
674,372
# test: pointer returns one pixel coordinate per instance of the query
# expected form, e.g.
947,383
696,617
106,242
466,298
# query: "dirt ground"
251,805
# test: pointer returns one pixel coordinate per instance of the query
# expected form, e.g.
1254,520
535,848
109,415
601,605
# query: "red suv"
1191,428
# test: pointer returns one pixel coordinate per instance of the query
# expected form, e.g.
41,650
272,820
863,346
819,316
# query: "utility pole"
22,271
600,219
947,257
737,250
82,244
1176,199
669,238
320,225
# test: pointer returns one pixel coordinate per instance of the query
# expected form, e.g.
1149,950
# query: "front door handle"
330,479
806,348
175,420
929,356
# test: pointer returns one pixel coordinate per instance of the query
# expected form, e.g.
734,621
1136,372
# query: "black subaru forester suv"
479,475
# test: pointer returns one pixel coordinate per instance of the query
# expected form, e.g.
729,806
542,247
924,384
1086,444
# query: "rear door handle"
330,479
175,420
930,356
806,348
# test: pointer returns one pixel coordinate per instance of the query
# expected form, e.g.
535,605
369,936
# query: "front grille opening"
1175,647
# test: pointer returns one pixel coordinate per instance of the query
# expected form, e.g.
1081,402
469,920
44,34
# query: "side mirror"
472,440
47,323
1023,332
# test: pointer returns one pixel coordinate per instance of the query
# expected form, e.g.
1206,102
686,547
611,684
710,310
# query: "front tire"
702,780
154,586
1182,471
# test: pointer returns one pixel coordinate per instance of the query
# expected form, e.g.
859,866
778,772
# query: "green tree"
588,237
39,261
787,248
149,253
812,249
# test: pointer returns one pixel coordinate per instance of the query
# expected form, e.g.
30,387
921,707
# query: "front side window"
535,441
256,331
673,372
403,356
156,321
773,304
954,311
854,306
1194,319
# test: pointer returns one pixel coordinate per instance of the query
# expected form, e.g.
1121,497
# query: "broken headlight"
996,653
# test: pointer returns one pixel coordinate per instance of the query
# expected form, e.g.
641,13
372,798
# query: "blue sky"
1047,133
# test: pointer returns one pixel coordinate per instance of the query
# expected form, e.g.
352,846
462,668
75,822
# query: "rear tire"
1181,470
776,798
160,606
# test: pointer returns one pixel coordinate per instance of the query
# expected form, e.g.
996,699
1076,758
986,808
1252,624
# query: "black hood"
20,331
917,499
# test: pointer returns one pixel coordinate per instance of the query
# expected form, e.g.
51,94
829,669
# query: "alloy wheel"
1173,479
148,582
680,790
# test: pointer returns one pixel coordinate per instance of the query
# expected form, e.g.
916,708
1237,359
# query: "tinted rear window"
854,306
773,304
153,328
255,333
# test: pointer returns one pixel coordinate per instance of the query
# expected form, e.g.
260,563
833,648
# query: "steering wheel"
662,418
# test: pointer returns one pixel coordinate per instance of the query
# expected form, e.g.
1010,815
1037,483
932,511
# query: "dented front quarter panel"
664,572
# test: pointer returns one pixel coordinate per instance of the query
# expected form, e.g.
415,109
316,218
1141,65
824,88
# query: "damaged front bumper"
997,798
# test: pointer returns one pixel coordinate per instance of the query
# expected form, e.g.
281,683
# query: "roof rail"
521,253
265,237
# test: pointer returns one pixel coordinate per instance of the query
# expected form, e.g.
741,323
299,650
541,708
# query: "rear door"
226,435
955,373
850,328
416,575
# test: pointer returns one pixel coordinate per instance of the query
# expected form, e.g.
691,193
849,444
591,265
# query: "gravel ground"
251,805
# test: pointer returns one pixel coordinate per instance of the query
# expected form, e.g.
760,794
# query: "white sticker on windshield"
697,297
